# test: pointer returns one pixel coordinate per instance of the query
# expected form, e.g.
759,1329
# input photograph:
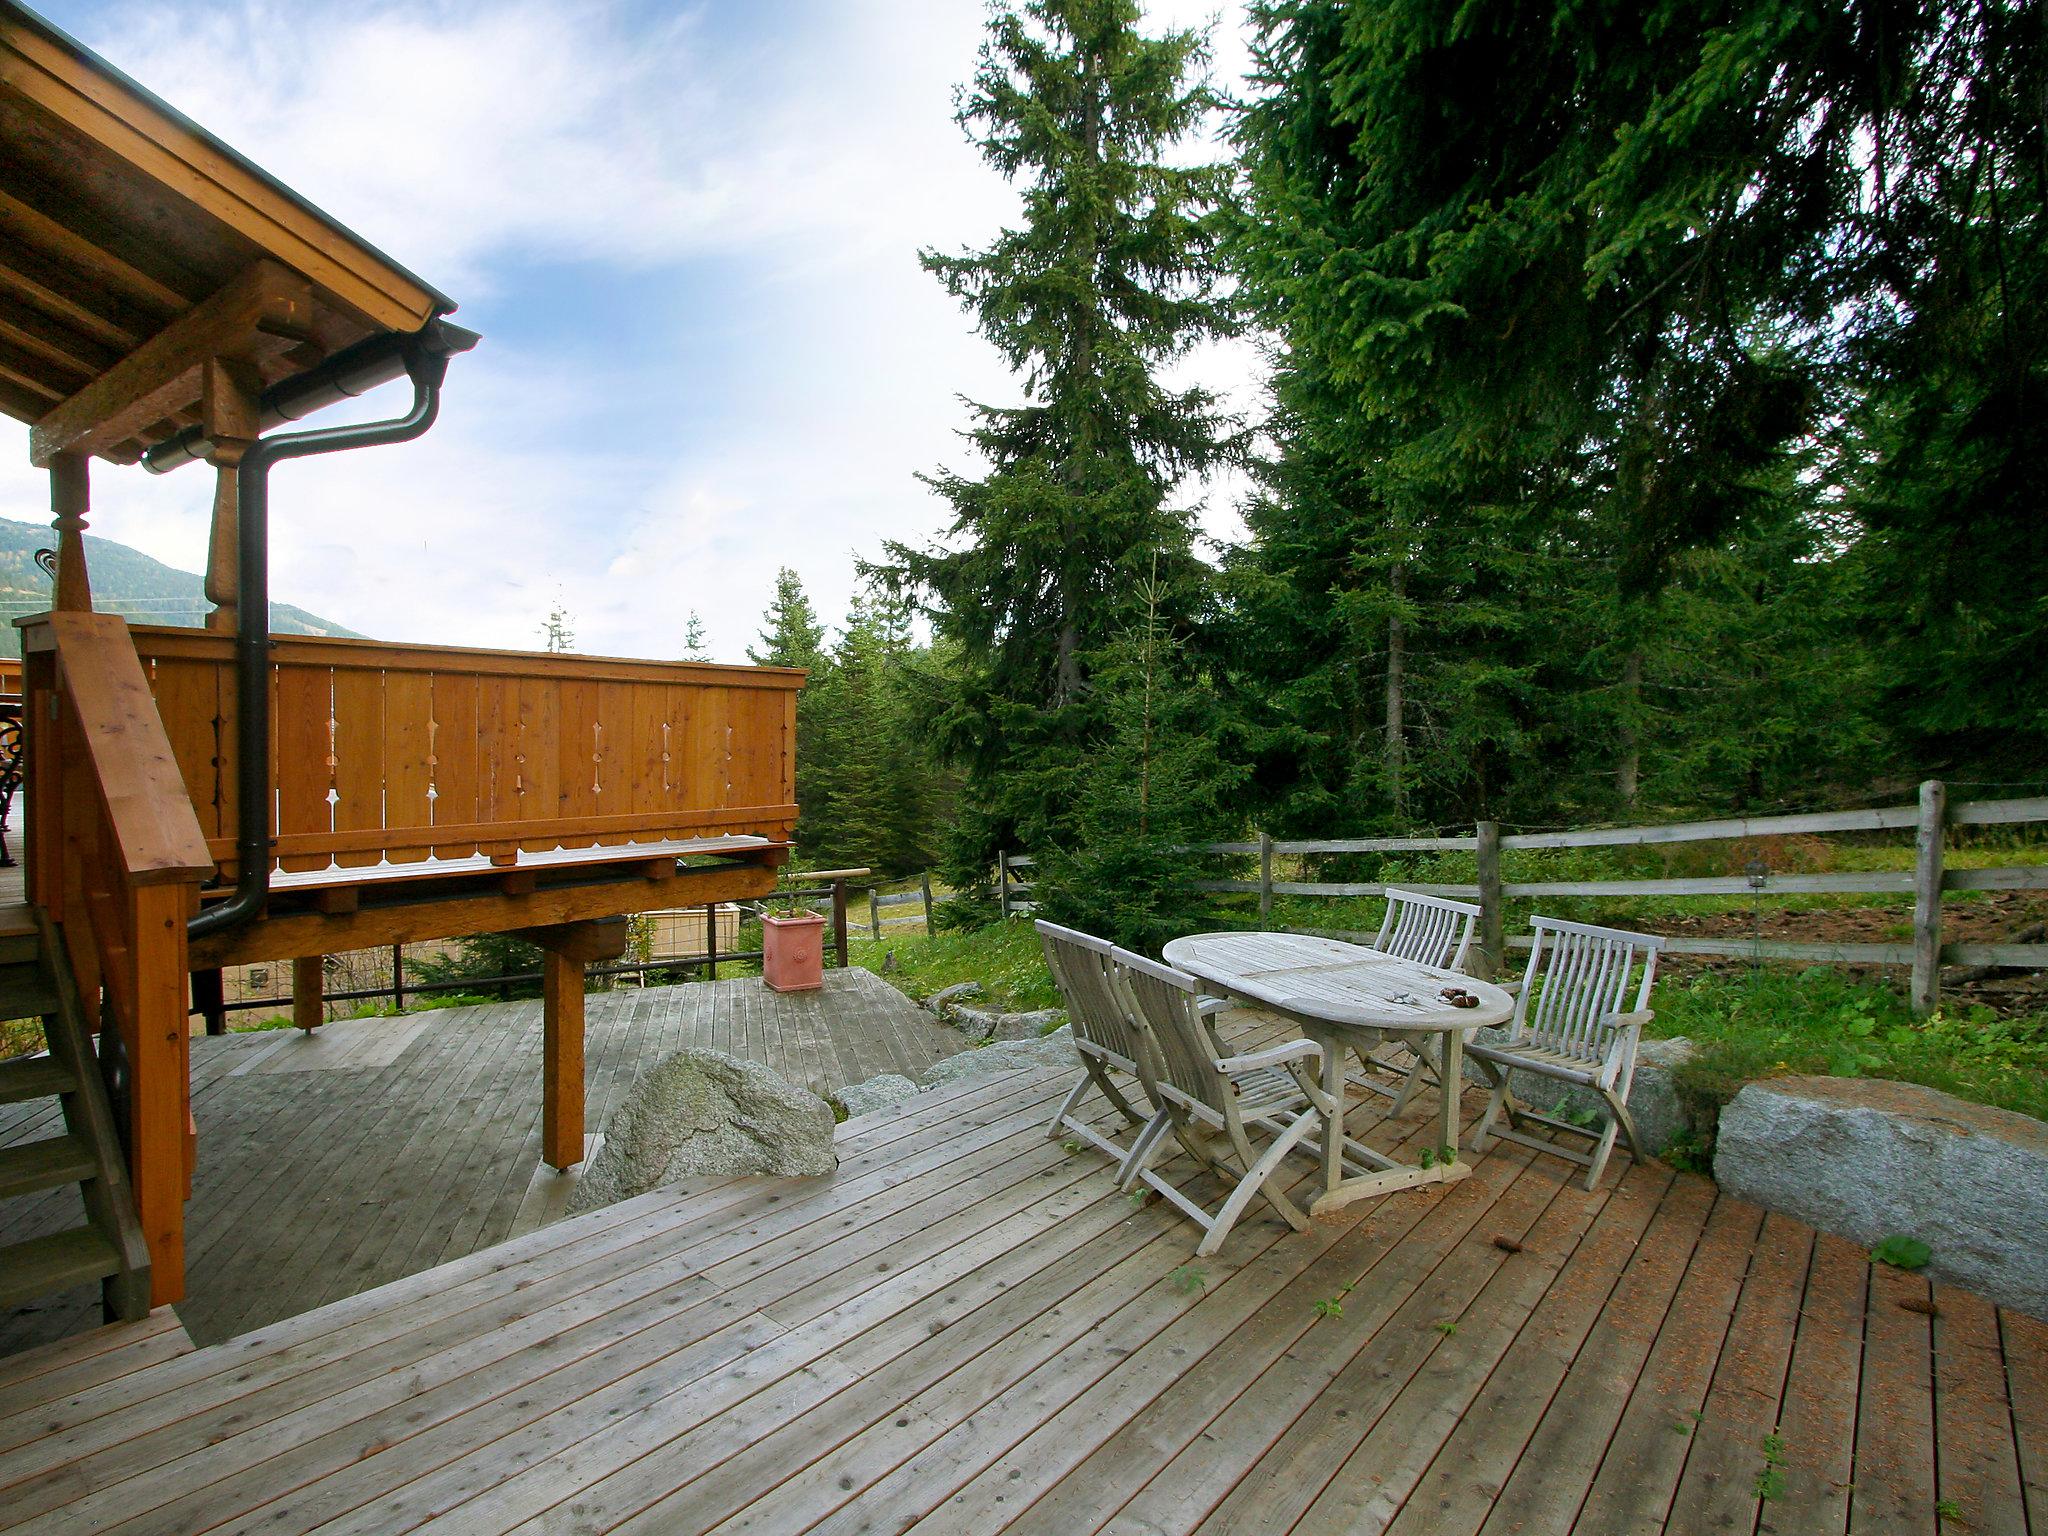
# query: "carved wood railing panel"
402,753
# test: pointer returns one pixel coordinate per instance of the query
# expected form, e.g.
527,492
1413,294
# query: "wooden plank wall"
409,752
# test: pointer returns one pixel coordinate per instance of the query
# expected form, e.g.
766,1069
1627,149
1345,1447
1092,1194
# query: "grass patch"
1003,957
1818,1021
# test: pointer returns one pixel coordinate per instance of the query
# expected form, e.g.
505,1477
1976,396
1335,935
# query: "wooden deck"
966,1330
384,1146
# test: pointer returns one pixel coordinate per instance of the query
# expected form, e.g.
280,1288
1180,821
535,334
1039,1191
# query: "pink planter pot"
793,953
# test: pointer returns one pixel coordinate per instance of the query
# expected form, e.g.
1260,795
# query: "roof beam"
36,332
30,226
264,310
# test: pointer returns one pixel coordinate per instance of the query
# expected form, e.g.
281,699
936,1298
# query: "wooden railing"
115,858
405,753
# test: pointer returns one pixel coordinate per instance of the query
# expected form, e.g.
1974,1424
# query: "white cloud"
811,157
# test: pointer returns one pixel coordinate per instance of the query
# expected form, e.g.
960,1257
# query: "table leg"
1333,1135
1450,1083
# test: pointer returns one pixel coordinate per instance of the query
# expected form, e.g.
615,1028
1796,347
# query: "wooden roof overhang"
136,249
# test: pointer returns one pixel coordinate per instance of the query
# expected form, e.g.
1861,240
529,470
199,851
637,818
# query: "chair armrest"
1619,1022
1211,1006
1512,988
1271,1056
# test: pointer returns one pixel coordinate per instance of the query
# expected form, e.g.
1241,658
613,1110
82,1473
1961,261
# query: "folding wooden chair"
1210,1097
1574,1022
1105,1039
1432,931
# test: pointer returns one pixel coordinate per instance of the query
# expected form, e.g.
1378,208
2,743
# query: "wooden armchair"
1105,1039
1432,931
1213,1100
1579,1017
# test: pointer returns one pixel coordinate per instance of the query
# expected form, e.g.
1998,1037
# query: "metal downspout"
427,369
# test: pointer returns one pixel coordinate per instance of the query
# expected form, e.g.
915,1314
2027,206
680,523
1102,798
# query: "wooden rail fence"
1927,882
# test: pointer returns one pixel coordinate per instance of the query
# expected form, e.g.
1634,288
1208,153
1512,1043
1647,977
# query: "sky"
688,234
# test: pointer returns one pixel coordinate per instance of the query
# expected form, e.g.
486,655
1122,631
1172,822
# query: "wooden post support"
924,882
229,400
561,1112
1927,861
1002,884
309,985
1265,880
711,943
398,977
874,915
839,920
565,949
70,500
209,999
1492,942
159,1084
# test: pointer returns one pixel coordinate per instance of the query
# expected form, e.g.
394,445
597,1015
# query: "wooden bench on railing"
116,856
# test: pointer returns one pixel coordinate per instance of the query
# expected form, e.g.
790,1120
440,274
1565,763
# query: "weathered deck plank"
966,1329
317,1181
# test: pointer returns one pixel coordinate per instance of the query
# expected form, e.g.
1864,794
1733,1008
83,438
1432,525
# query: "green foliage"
1902,1252
1770,1482
1004,957
1329,1306
1448,1328
1818,1020
483,955
1189,1278
1106,282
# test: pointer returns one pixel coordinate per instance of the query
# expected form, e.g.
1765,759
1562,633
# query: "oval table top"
1333,982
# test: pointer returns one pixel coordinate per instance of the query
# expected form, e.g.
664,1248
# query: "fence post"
874,915
839,919
398,978
1265,879
1927,852
1002,884
1491,939
711,943
925,884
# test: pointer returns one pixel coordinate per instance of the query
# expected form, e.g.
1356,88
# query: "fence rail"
1927,882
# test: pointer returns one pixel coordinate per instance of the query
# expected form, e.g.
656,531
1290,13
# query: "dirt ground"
1996,918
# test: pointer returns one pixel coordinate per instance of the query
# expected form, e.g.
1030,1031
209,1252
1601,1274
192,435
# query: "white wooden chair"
1432,931
1105,1039
1579,1017
1211,1097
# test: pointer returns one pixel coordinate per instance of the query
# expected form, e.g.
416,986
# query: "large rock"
1053,1050
1867,1159
707,1113
882,1091
1653,1101
987,1024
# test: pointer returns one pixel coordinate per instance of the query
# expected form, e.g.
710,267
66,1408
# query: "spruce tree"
791,636
1106,281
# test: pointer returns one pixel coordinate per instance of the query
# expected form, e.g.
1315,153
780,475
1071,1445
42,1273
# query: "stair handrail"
116,857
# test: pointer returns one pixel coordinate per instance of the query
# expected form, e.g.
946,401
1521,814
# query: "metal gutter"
424,357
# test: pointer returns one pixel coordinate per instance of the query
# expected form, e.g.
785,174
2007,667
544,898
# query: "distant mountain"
124,581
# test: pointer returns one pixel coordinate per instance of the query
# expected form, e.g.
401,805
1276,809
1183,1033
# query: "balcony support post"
70,500
565,950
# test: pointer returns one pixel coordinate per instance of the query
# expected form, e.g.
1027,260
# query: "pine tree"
1107,281
792,635
558,629
694,646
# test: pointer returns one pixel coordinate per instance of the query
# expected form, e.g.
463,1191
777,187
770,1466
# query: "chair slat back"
1081,967
1430,930
1579,974
1168,1003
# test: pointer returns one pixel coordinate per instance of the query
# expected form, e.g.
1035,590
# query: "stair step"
45,1164
20,939
33,1077
25,993
44,1265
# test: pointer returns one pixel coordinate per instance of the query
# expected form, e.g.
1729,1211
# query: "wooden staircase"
107,1245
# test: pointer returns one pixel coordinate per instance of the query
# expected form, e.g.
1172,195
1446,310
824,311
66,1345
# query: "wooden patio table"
1348,997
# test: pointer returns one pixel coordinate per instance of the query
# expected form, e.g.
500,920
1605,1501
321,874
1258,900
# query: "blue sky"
688,234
